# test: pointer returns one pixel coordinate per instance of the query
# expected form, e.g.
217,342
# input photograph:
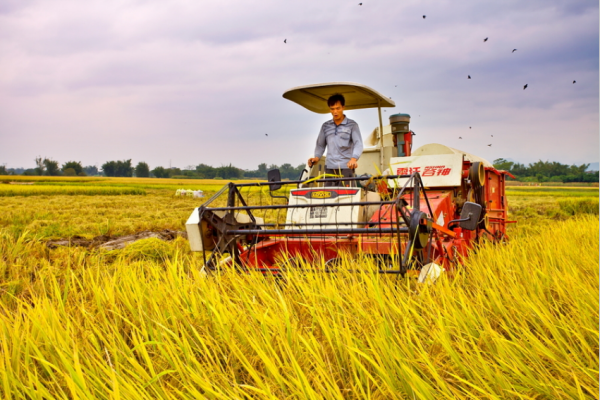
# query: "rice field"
519,321
565,191
67,190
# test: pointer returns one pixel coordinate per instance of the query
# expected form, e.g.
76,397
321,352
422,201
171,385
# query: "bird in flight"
525,87
285,41
492,135
360,4
266,134
574,81
485,40
489,145
469,127
424,16
460,137
469,76
514,50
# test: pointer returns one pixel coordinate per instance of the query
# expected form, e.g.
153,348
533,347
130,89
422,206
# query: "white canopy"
314,97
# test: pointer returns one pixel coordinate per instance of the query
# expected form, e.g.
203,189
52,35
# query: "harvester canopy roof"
314,97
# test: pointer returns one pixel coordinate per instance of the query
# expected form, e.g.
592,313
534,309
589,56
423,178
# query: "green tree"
174,172
39,166
287,171
142,170
75,165
206,171
109,168
579,169
91,170
191,173
591,176
124,168
262,169
3,170
502,164
118,168
520,170
160,172
51,167
546,171
229,171
69,172
260,172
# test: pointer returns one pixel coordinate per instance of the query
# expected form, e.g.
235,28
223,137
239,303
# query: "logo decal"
436,170
320,195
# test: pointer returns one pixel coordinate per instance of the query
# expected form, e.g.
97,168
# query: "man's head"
336,105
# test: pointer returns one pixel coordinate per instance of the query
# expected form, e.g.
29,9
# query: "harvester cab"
424,212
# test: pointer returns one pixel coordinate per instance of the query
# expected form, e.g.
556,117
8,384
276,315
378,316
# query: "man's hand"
313,161
352,164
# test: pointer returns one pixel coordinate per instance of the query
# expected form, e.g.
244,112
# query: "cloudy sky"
183,82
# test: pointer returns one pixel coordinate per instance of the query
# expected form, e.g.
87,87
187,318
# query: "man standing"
341,137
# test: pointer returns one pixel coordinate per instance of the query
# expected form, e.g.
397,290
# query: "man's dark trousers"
346,173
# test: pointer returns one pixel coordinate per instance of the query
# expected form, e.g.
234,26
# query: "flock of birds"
468,76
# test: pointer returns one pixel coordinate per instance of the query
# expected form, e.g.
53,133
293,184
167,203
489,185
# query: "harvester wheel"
295,263
477,175
333,264
419,232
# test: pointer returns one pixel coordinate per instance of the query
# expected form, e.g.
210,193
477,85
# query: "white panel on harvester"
320,217
440,170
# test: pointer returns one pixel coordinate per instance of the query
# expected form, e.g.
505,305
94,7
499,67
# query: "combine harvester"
424,213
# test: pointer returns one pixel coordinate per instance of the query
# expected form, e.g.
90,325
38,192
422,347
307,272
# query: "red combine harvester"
423,213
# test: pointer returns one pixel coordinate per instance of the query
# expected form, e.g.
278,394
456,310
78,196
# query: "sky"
181,82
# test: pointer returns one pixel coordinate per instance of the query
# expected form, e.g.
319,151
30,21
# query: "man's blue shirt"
342,141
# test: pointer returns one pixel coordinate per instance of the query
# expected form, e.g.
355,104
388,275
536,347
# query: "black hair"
336,98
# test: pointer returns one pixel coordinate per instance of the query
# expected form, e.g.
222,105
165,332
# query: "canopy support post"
380,137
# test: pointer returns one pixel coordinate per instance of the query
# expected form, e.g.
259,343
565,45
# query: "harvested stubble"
89,216
519,321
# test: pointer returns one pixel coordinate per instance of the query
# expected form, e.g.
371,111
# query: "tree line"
204,171
540,171
49,167
124,168
546,171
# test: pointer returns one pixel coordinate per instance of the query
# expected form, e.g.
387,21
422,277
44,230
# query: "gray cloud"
199,82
